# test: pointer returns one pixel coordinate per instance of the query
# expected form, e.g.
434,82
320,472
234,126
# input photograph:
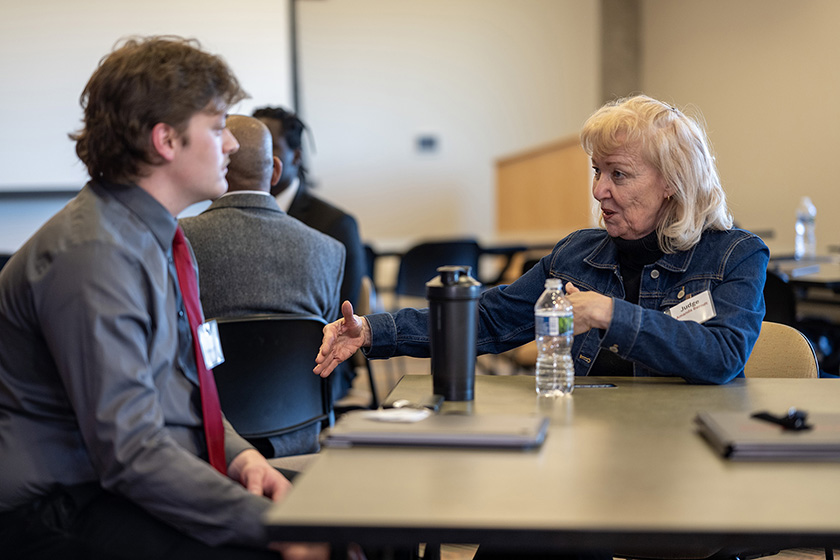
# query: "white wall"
766,75
49,49
486,77
490,77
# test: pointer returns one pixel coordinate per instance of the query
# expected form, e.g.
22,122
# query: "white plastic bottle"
806,236
554,326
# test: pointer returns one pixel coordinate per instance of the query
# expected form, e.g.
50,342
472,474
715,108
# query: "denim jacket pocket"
683,291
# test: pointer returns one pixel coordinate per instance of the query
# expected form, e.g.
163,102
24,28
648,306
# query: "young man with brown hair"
107,415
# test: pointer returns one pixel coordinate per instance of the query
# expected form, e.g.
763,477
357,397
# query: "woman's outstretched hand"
341,340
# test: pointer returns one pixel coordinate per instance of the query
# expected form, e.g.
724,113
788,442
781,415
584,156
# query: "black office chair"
824,335
367,304
529,264
266,386
419,264
370,262
4,258
779,300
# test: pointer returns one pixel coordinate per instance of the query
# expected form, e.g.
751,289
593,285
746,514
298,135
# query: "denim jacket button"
654,274
681,294
614,348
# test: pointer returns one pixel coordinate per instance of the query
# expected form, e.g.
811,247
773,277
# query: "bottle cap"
453,282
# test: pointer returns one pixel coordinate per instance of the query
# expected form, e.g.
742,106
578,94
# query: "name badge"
699,309
211,345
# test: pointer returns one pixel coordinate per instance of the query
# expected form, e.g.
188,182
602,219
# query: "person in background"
103,449
294,195
667,243
254,258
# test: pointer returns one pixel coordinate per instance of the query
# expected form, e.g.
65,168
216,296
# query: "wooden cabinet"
545,189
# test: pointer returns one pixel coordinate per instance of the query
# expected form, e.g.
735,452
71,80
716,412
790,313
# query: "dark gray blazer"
254,258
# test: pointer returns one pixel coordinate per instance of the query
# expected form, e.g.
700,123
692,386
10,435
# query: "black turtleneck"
633,256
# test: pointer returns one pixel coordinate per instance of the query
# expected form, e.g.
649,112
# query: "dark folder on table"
739,436
440,430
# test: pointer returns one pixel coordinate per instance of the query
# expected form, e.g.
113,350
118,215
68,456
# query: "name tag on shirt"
211,345
700,308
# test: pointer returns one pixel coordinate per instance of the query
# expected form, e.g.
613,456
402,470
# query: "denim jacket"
732,265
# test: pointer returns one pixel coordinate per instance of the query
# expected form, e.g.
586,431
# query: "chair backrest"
266,385
370,262
368,300
367,303
779,300
419,264
782,351
529,264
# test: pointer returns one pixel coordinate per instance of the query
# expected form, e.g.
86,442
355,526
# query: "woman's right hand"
341,340
592,310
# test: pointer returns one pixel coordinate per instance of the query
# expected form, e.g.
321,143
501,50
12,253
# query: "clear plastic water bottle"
806,237
554,326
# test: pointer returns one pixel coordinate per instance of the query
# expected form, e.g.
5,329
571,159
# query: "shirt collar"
232,193
285,198
605,255
160,222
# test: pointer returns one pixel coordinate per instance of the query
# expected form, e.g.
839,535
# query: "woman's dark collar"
647,244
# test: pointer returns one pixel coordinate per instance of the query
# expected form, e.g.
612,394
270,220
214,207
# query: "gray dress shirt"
97,371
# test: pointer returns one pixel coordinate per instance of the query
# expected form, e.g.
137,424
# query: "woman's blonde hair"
677,146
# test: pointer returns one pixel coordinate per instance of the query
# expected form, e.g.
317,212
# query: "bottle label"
553,325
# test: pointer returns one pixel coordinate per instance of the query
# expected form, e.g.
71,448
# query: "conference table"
822,271
622,469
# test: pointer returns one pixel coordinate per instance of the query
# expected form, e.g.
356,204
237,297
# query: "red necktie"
210,409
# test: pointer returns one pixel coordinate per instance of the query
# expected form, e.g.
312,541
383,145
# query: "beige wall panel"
766,75
546,189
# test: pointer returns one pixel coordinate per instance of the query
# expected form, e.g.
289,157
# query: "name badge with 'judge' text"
700,308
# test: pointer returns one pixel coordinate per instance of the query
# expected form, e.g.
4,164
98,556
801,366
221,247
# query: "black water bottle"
453,323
